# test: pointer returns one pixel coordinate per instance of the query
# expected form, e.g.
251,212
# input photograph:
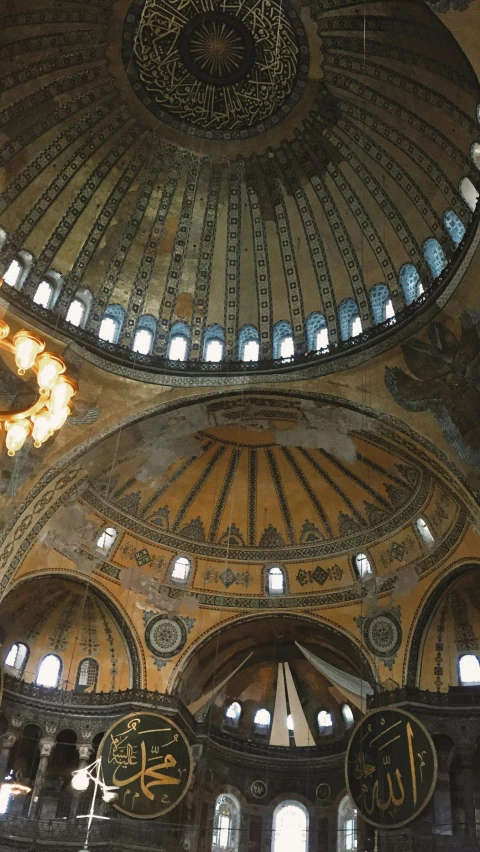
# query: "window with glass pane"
106,538
350,835
48,671
389,310
356,327
324,721
347,826
262,718
469,670
469,192
177,350
214,351
13,273
321,340
76,312
87,673
290,828
233,712
276,580
43,294
251,351
181,569
362,564
290,723
424,531
16,656
287,348
226,823
143,341
454,226
347,715
108,329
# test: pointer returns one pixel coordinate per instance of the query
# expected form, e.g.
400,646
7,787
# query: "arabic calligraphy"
222,66
148,758
391,767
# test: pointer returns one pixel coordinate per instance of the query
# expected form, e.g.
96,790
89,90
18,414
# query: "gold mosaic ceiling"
337,178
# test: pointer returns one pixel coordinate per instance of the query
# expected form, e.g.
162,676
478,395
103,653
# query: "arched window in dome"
435,257
178,342
248,343
180,570
349,319
347,715
226,824
111,324
324,722
276,584
233,713
106,539
290,828
87,673
290,723
144,336
16,273
362,564
454,226
77,313
410,282
469,670
17,657
48,673
261,720
424,530
469,192
317,332
475,151
214,344
381,302
3,237
47,290
347,826
283,343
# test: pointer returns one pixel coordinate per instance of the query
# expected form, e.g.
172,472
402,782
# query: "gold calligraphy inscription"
390,767
148,759
219,66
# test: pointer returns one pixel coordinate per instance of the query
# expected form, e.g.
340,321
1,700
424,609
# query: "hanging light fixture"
55,390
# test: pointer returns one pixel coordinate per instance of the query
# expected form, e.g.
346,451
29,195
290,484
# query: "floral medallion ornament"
382,633
221,70
165,635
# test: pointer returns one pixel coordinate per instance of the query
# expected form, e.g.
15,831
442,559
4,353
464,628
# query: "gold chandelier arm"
27,412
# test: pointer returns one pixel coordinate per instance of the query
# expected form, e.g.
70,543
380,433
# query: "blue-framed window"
248,343
410,282
454,226
317,332
214,343
178,342
283,343
381,302
145,333
111,324
349,319
435,257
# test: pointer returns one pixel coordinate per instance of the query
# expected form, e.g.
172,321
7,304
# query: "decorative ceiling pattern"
343,189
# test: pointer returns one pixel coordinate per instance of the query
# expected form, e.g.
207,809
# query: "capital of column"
46,747
84,751
8,742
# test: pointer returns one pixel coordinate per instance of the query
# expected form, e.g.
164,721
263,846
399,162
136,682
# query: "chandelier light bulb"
17,433
49,369
80,780
42,428
57,418
61,394
27,347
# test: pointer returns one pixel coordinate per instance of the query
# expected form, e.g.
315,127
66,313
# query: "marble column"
46,748
465,754
5,748
84,752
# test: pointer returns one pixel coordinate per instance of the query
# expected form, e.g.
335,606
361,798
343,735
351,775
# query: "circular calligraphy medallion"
383,634
148,758
165,635
390,767
227,73
323,791
258,789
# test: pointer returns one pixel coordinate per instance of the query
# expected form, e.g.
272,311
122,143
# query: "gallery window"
87,673
48,673
469,670
17,657
347,826
226,823
290,828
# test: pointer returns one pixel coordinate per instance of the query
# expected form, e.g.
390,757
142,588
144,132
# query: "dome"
236,174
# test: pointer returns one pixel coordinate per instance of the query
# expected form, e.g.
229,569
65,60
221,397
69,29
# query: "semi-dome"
264,181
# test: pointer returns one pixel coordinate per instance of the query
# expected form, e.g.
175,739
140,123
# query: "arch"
214,343
362,565
111,324
469,670
283,343
324,722
178,342
290,827
49,671
276,580
17,271
346,826
435,257
87,673
48,289
410,283
106,539
454,226
181,569
349,319
233,713
17,657
381,302
144,336
469,192
248,343
226,823
79,308
317,332
262,719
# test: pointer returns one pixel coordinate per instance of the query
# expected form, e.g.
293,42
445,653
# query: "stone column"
465,755
46,748
84,752
5,748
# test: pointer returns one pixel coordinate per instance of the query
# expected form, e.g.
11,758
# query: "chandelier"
55,390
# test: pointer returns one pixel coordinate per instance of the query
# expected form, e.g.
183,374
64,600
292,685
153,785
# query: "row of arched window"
290,826
262,718
50,668
213,351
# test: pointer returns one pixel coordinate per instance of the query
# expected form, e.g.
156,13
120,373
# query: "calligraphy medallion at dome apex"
222,71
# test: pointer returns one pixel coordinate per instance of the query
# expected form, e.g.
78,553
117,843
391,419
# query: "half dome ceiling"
195,205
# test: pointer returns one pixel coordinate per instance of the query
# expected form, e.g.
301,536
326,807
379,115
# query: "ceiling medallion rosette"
220,70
